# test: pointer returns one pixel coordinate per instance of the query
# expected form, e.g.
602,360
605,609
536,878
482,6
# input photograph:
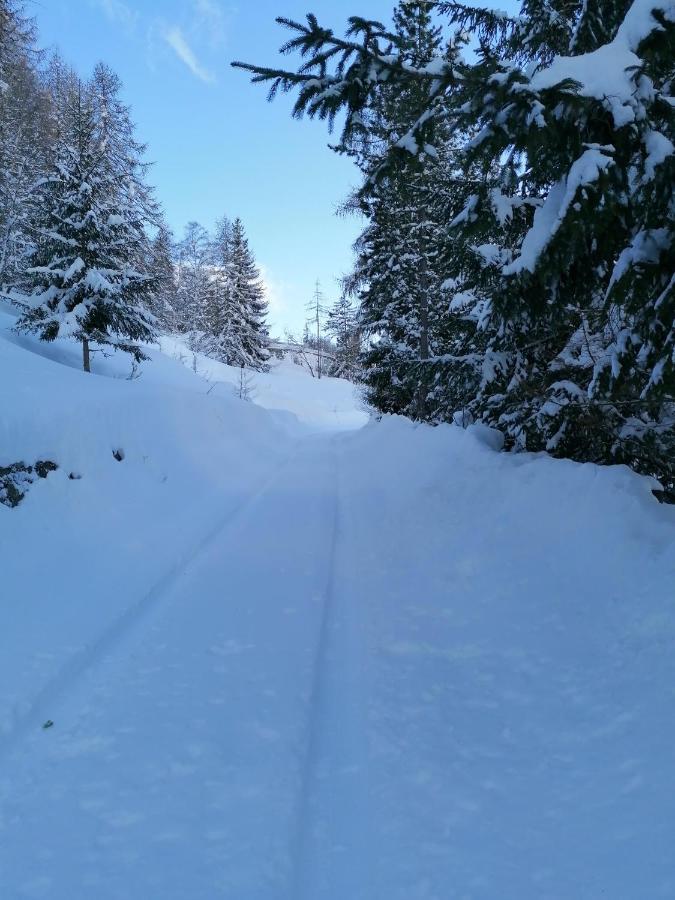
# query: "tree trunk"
85,355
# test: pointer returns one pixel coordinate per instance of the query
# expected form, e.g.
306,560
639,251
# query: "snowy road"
405,669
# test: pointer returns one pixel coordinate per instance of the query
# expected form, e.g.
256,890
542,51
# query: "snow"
328,403
659,148
74,269
289,655
609,73
503,206
645,248
549,217
639,21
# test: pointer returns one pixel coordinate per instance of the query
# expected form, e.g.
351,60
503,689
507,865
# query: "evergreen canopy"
550,155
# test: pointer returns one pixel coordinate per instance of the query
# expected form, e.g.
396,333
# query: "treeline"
518,263
84,249
209,288
331,342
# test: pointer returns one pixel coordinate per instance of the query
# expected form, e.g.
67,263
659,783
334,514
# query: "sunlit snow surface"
288,658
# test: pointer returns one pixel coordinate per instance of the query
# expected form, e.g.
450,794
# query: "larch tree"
223,318
24,129
195,284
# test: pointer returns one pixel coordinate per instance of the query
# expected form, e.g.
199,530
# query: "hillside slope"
286,661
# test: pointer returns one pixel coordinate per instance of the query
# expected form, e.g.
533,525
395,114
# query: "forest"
518,264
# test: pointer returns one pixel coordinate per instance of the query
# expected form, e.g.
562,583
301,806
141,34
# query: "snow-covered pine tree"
401,266
222,314
580,361
23,140
248,333
162,298
575,102
221,244
343,327
124,154
83,275
387,279
195,285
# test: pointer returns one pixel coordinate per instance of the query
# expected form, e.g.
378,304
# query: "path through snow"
388,664
375,701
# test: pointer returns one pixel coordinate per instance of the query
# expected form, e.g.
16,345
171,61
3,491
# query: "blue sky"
219,148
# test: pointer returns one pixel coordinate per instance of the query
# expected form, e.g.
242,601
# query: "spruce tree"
162,299
84,278
343,327
563,248
580,361
248,329
401,264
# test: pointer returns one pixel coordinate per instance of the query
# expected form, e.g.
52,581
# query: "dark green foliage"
538,177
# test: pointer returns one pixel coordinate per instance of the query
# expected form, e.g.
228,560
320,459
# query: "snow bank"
94,537
519,615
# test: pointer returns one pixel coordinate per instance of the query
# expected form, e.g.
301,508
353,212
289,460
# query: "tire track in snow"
331,820
124,625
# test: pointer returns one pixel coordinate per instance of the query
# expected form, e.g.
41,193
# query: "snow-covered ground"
325,404
287,657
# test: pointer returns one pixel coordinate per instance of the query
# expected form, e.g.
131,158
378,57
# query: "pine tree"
83,274
222,313
194,283
580,361
220,298
343,326
24,125
247,328
316,311
162,298
400,265
562,253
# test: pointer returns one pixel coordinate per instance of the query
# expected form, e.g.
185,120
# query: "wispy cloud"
119,13
175,38
203,27
211,20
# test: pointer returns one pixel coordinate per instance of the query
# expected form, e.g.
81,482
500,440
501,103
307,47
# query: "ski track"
115,633
338,695
274,719
305,819
333,823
